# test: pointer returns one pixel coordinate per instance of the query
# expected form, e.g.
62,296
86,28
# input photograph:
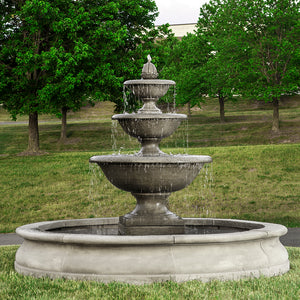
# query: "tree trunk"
33,134
189,108
63,132
222,109
275,125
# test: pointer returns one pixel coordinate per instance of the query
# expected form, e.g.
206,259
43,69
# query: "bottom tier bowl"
143,174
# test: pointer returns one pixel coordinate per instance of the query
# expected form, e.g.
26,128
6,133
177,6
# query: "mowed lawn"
255,175
244,182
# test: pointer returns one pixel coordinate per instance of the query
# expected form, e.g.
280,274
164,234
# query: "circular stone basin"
149,125
146,174
149,88
91,249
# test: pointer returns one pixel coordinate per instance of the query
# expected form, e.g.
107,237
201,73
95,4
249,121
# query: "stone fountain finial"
149,89
149,70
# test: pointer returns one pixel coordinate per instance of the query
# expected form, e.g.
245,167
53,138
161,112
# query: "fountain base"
155,226
210,249
151,217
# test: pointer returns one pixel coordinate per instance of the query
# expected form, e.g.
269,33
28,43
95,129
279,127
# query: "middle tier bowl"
141,125
144,174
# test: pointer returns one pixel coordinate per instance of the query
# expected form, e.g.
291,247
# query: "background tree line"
240,47
59,55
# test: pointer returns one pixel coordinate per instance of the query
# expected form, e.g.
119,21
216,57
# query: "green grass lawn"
91,129
255,175
15,286
244,182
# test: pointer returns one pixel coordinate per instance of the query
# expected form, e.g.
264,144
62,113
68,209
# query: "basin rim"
163,159
150,116
149,82
41,232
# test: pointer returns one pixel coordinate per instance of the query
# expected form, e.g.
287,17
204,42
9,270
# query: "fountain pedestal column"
151,217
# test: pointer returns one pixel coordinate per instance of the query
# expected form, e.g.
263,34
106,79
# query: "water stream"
95,189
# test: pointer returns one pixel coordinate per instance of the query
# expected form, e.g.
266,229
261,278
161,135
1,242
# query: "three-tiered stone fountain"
151,243
151,175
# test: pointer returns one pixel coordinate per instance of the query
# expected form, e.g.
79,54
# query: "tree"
123,58
54,55
198,70
219,78
260,41
184,64
219,81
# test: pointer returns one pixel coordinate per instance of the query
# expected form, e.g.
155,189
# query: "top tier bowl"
149,88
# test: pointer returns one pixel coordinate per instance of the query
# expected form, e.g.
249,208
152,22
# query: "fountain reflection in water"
151,243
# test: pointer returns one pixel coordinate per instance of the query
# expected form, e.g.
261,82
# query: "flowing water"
178,140
130,101
196,200
122,141
97,189
206,196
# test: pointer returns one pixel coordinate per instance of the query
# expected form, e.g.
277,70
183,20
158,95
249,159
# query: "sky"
178,11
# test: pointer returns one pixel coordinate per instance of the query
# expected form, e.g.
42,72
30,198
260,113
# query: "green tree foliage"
198,70
219,78
55,55
219,81
184,64
259,41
